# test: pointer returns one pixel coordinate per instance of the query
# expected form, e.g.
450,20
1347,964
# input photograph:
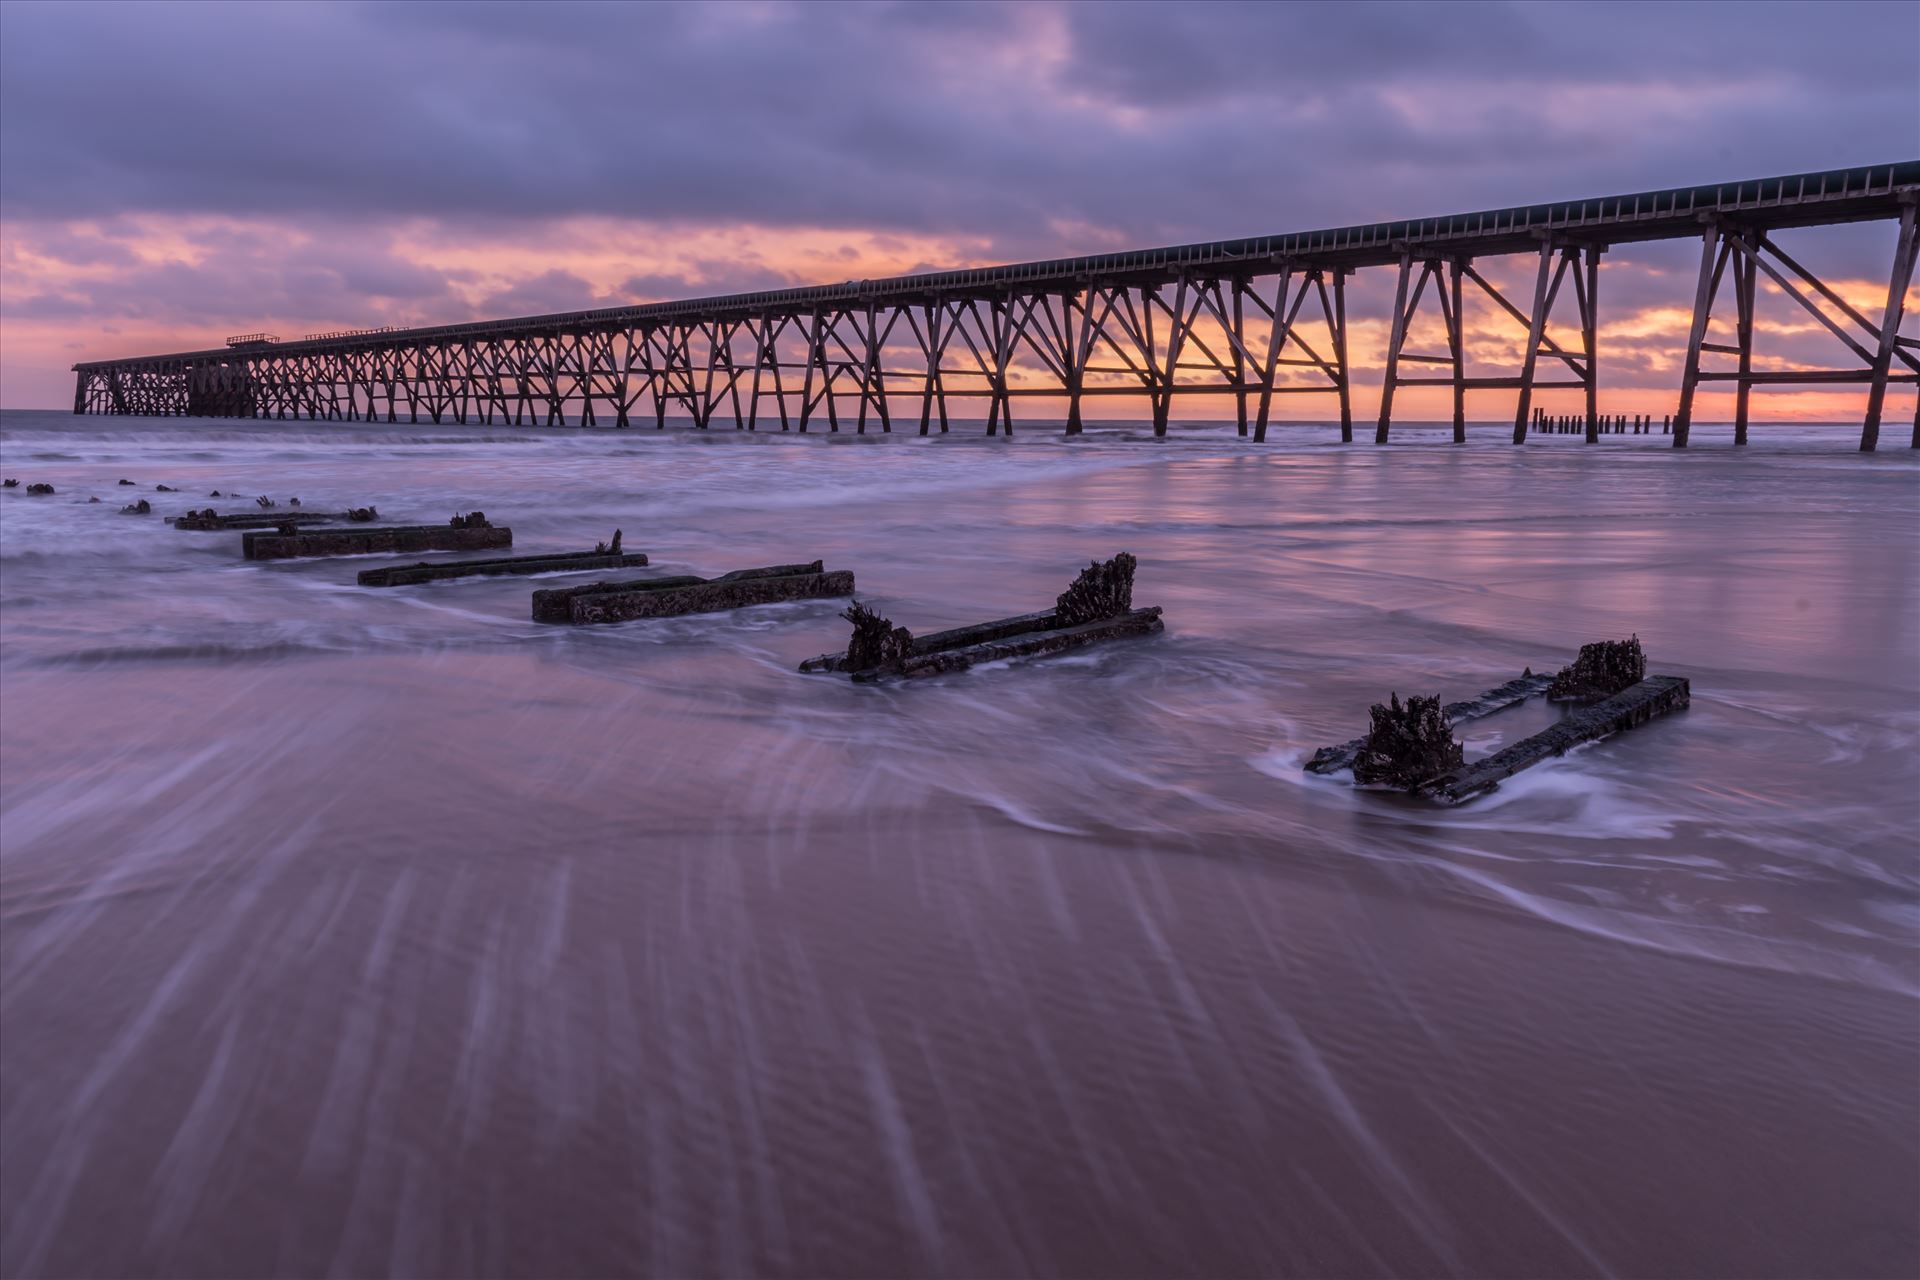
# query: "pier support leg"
1590,336
1457,338
1239,355
1710,249
1340,354
1276,343
1177,322
1743,274
1079,342
1536,328
936,313
1396,338
1903,258
816,356
1002,354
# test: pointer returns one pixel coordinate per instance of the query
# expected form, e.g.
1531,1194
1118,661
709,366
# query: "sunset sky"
171,174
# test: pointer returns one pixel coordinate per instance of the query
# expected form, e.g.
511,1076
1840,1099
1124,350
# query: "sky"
174,173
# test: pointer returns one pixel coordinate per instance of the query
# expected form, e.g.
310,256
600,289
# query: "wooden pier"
1247,320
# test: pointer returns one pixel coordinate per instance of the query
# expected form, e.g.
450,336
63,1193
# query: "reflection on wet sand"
360,931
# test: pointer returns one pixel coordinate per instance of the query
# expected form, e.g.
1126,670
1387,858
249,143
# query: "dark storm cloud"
242,273
1154,121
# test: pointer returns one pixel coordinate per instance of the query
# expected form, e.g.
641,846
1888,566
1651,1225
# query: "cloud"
208,167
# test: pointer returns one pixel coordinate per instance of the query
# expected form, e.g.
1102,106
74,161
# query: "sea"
352,932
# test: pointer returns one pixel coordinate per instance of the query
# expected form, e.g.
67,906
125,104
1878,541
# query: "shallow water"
351,931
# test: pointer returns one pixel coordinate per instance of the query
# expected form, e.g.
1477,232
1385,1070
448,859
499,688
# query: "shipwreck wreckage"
1098,606
1410,746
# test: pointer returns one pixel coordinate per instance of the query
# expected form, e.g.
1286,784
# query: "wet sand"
362,932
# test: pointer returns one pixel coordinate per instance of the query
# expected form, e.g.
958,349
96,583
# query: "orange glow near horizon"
85,290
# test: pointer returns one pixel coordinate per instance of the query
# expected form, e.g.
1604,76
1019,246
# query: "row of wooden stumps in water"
1607,424
1410,745
1096,607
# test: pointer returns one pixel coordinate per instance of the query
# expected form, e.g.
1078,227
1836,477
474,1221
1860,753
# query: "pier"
1249,319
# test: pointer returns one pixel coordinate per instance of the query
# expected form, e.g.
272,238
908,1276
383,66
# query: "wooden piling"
601,602
567,562
1654,696
345,541
210,522
1498,698
1135,622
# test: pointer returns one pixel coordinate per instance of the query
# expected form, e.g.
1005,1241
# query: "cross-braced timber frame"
1252,319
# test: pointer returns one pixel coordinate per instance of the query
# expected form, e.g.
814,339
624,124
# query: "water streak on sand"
360,931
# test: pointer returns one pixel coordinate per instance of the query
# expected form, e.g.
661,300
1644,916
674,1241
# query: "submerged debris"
290,540
1499,698
1408,744
363,515
608,548
472,520
1639,703
671,597
293,502
140,508
39,488
93,499
563,562
1603,669
264,501
1101,591
876,641
1096,608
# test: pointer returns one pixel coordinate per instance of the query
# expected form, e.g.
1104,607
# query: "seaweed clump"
1101,591
1409,743
1603,669
876,641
